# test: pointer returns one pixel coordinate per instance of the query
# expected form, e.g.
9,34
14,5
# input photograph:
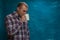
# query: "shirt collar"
16,14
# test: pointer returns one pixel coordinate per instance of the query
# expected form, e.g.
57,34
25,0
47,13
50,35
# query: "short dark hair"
22,3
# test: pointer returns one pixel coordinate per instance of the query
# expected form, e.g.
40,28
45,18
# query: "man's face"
22,10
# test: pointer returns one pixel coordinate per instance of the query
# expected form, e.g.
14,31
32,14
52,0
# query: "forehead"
24,7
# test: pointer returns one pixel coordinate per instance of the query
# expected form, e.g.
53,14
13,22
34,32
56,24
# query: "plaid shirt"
16,28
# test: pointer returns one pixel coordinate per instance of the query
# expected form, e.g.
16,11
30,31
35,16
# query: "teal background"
44,21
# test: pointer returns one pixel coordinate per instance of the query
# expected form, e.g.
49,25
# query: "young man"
16,23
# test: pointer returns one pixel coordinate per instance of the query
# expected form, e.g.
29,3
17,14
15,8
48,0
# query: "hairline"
21,4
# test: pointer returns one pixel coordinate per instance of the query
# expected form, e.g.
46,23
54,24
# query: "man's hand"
23,18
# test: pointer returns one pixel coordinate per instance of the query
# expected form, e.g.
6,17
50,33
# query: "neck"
18,14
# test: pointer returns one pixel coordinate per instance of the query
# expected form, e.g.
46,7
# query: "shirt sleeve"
11,28
27,31
28,34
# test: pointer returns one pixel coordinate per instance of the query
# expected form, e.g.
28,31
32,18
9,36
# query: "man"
16,23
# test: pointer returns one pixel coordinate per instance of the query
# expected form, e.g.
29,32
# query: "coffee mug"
27,17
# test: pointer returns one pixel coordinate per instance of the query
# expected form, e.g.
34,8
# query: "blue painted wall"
3,33
44,21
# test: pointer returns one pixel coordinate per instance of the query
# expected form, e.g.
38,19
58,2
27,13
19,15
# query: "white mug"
27,17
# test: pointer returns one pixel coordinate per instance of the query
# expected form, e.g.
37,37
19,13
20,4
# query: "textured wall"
44,21
3,35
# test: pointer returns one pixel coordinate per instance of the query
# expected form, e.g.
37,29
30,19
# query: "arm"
10,28
27,31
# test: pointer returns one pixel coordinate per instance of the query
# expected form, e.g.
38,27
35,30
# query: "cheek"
21,11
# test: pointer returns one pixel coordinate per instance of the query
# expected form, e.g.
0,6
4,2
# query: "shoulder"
11,15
